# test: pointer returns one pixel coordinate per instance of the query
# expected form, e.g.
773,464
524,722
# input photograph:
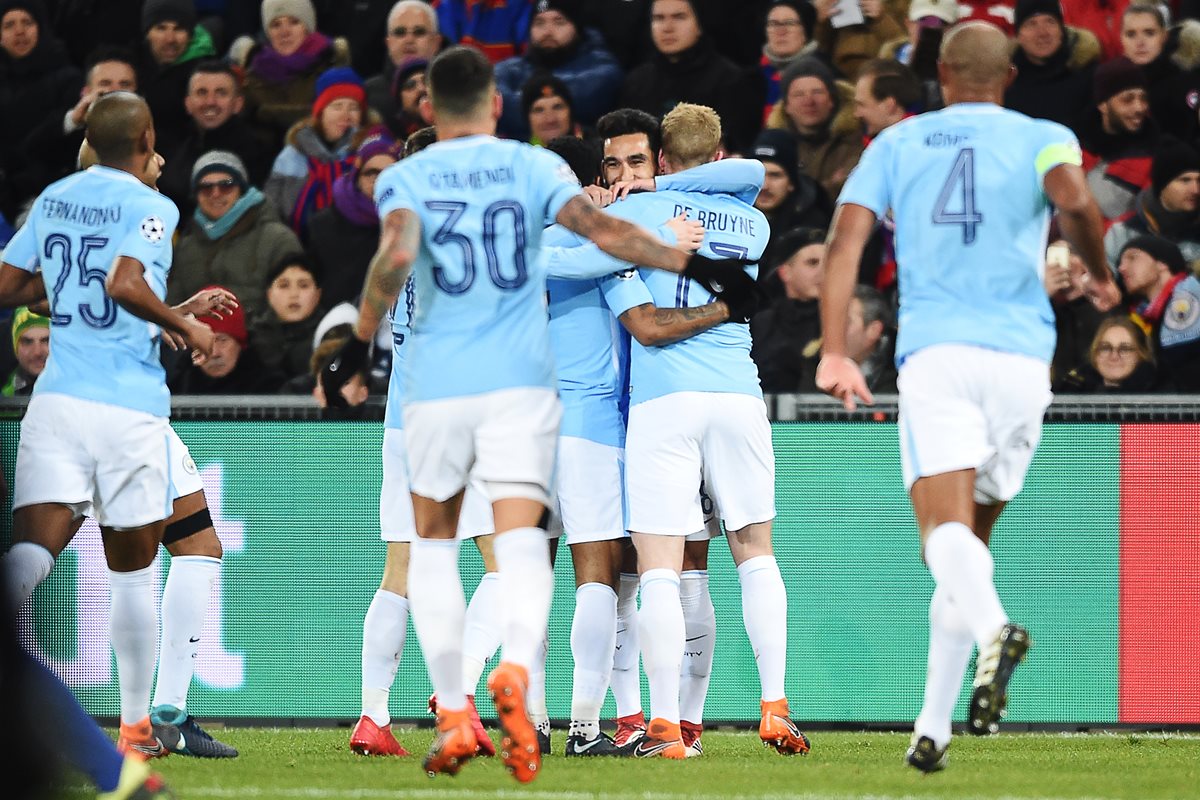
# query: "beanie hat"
337,83
407,67
779,147
220,161
1159,249
300,9
341,314
571,9
233,324
23,319
1172,160
1031,8
379,142
945,10
181,12
544,85
809,67
33,7
808,14
1116,76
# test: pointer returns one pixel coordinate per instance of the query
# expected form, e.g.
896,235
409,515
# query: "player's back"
78,227
717,360
480,322
965,187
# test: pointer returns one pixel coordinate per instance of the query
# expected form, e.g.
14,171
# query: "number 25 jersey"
964,185
480,321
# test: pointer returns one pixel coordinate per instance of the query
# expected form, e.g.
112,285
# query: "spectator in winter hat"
31,345
1167,207
412,35
233,368
172,46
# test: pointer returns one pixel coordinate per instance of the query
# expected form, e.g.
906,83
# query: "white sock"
185,600
526,585
593,637
662,632
626,679
963,565
535,694
25,565
950,643
482,630
764,610
700,635
383,644
436,601
134,627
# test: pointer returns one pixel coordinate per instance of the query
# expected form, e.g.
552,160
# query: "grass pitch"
299,764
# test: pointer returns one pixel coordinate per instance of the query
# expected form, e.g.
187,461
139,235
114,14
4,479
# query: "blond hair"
691,135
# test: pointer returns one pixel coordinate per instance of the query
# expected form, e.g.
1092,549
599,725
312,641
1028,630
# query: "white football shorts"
967,407
99,459
677,440
185,477
396,522
591,480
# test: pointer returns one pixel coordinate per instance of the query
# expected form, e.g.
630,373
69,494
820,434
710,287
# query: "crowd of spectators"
276,116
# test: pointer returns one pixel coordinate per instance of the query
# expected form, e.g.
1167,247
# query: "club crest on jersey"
189,465
153,229
624,274
1183,312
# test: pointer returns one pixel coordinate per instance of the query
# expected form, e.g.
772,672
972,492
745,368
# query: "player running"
96,432
466,216
971,188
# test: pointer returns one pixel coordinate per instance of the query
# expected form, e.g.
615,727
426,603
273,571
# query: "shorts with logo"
967,407
505,439
680,440
396,522
97,458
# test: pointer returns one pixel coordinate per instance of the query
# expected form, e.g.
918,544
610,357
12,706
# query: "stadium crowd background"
276,117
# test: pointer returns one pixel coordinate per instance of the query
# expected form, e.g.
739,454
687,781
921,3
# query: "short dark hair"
581,155
418,140
890,78
460,78
215,66
625,121
875,307
300,260
105,53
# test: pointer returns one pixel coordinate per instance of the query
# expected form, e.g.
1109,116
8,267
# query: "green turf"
297,764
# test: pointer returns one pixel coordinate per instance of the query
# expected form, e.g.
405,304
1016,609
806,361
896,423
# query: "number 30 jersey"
480,322
965,187
76,230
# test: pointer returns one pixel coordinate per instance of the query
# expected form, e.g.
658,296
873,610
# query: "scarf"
1149,314
216,228
353,204
274,68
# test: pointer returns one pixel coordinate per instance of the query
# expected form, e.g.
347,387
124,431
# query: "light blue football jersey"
401,319
480,322
965,187
76,230
717,360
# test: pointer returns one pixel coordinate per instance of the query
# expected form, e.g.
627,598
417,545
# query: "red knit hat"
336,83
233,324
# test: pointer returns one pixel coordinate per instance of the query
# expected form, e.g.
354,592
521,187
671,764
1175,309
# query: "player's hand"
79,112
199,337
599,195
218,303
689,234
744,297
841,377
730,282
1105,295
174,340
621,189
348,362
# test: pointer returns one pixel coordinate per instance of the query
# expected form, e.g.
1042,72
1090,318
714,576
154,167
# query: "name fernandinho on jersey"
478,179
718,220
81,215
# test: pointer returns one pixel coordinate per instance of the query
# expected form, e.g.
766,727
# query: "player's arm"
837,373
620,239
1082,226
739,177
19,287
657,327
399,243
126,284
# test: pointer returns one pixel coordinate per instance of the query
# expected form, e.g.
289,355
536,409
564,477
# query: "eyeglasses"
221,186
401,32
783,23
1122,350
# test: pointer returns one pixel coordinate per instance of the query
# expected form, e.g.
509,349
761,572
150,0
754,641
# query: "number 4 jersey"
76,230
480,322
965,187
